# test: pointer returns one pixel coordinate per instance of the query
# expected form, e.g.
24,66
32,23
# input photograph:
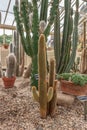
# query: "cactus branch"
50,94
35,93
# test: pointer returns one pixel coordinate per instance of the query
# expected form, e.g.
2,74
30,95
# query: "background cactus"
11,49
0,70
45,93
83,63
14,48
65,59
11,65
52,83
28,19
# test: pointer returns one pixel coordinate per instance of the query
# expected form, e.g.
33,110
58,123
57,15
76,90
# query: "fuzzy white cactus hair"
42,26
11,65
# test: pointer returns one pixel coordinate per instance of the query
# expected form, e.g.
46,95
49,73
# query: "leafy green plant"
85,78
76,78
64,76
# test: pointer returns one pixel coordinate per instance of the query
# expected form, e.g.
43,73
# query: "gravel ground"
19,111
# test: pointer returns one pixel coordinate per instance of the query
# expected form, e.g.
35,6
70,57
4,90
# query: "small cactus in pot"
9,78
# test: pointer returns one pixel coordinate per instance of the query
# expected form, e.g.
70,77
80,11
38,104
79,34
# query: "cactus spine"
30,44
65,60
11,65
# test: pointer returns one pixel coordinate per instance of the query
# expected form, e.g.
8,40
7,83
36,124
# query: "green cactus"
14,48
31,25
57,46
11,65
75,39
51,72
52,83
11,48
43,12
44,95
65,59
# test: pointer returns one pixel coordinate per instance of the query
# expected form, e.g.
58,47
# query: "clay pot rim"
70,82
7,78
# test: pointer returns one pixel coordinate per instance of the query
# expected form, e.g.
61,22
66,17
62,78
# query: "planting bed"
18,111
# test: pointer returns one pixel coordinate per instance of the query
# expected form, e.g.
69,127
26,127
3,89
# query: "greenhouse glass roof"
7,15
6,9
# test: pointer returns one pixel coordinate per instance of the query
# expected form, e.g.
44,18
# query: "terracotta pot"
6,46
70,88
8,82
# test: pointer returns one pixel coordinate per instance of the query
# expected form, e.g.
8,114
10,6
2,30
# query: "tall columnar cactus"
11,49
52,83
44,95
28,20
63,57
16,50
11,65
83,63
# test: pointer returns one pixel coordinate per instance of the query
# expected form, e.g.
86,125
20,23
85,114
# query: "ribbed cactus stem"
53,83
11,65
53,12
53,102
44,10
11,47
52,72
42,76
75,39
65,33
44,95
57,43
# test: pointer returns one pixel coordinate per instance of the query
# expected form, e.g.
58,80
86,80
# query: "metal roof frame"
12,27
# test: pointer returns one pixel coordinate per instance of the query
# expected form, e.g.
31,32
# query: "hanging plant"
5,45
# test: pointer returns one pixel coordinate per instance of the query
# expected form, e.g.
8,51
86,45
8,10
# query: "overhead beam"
8,27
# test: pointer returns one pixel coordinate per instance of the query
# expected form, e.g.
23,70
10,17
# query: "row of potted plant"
73,83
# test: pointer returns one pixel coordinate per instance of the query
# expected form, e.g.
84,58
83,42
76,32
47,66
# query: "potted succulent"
73,83
10,77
